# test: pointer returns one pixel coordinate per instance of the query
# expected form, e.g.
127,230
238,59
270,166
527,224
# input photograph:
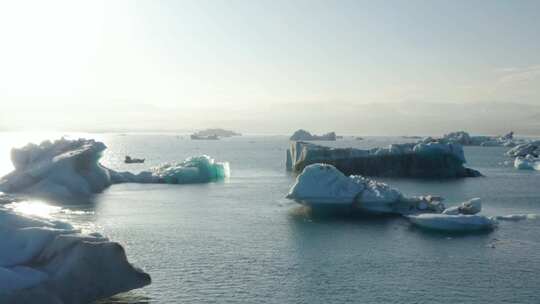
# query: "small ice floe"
453,223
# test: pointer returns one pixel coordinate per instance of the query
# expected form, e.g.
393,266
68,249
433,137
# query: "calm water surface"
241,241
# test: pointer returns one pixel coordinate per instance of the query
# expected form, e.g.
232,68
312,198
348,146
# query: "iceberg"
420,160
528,162
44,261
323,186
453,223
305,135
71,168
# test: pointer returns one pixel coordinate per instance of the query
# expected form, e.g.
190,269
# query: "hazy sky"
357,67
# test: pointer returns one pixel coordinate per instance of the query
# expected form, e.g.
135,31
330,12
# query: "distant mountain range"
392,118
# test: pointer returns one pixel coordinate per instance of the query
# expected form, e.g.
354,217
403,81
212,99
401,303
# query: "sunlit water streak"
35,208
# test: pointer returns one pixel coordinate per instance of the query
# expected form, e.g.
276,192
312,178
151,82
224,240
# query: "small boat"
129,160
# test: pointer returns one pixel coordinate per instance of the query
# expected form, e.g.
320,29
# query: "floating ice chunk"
193,170
453,223
323,185
528,162
472,206
518,217
40,263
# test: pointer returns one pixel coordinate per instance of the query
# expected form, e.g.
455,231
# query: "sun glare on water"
35,208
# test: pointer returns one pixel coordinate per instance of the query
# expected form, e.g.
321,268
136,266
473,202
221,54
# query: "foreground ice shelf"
44,261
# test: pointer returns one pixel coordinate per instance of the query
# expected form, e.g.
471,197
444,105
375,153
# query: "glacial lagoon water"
241,241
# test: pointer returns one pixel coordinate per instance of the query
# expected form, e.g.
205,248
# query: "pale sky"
356,67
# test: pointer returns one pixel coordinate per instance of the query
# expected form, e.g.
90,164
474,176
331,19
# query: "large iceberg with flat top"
71,168
323,186
420,160
44,261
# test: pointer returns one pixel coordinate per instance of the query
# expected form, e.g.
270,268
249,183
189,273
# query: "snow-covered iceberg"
422,160
528,162
71,168
453,223
323,186
44,261
305,135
